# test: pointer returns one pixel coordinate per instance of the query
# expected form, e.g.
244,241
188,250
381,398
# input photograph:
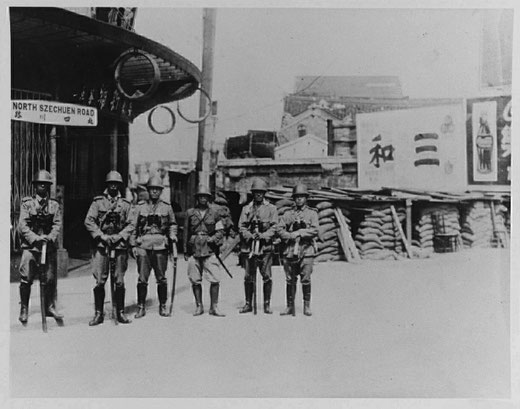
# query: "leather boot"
120,305
50,296
290,291
162,295
25,294
213,293
99,300
248,288
268,285
142,289
306,289
197,293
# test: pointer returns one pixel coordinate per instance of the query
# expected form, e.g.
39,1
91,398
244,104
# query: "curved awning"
70,36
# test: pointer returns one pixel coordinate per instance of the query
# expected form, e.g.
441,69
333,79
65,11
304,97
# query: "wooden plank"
344,245
345,231
342,239
400,230
409,221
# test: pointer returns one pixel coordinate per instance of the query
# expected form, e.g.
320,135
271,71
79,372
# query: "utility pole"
205,127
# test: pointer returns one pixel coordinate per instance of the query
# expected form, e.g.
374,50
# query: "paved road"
433,328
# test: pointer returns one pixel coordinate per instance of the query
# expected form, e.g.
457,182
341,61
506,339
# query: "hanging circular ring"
125,57
201,119
150,120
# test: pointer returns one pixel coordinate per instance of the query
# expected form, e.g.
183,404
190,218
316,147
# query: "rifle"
255,245
222,264
111,270
43,307
254,288
174,263
297,225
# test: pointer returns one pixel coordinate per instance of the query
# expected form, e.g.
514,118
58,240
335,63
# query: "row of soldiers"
148,231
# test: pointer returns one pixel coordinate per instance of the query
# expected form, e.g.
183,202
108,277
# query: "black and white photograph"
280,205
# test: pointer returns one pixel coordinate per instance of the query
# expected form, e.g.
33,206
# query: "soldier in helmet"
298,229
39,224
108,222
257,226
154,235
203,234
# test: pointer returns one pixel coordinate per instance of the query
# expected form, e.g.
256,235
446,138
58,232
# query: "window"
302,130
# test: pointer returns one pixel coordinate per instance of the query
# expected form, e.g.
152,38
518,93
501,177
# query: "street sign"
54,113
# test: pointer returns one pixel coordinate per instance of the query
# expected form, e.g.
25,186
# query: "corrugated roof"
349,86
92,43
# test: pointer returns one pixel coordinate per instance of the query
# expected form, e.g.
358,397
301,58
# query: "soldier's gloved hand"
134,252
41,239
186,256
256,236
104,238
115,238
295,234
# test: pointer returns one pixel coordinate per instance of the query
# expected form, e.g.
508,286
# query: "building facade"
92,58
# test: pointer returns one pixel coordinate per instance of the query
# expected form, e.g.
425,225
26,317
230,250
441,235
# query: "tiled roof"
349,86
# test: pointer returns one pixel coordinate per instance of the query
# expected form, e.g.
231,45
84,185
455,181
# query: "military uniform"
155,231
262,218
203,234
38,216
298,230
109,216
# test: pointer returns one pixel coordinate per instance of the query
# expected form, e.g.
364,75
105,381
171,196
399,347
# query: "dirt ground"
431,328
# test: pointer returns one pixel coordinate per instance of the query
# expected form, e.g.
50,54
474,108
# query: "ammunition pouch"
297,225
153,219
111,223
256,226
41,223
152,223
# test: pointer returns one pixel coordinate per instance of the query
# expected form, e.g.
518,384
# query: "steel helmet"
300,189
114,176
203,190
42,176
259,185
154,181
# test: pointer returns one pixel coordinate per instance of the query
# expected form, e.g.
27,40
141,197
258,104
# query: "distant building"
346,96
308,146
312,121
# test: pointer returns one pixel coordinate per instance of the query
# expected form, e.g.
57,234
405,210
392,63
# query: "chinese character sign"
421,148
489,140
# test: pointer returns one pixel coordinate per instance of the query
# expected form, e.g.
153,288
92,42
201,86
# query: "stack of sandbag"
378,237
477,229
283,205
328,243
424,229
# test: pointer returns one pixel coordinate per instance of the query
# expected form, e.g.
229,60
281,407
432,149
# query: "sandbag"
324,205
370,246
367,237
369,223
326,220
325,213
322,229
329,234
369,230
284,203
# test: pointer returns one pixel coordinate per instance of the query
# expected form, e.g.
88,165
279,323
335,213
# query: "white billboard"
419,148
